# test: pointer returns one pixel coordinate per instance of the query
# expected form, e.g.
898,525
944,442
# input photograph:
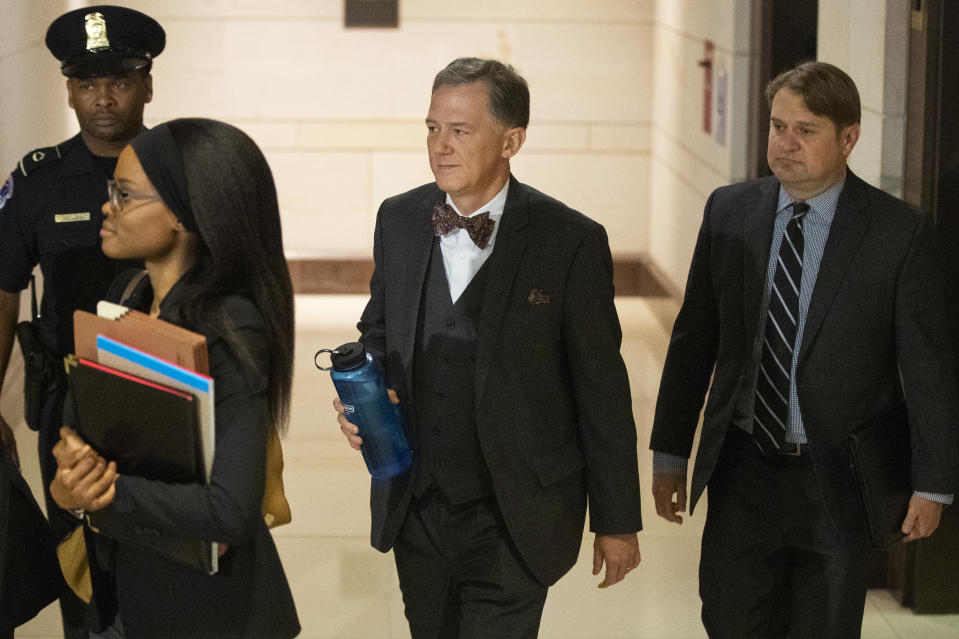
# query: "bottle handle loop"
331,351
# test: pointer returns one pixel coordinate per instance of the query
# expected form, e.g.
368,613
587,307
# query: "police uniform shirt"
50,215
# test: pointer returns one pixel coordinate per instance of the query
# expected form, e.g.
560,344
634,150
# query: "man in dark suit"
814,302
29,571
502,343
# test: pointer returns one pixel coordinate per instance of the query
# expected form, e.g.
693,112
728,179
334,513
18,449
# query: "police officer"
50,211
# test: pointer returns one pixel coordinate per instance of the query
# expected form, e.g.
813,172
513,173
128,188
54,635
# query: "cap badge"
96,28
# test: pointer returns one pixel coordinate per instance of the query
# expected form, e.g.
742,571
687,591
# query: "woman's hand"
84,480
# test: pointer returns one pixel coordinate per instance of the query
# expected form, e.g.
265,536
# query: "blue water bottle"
361,385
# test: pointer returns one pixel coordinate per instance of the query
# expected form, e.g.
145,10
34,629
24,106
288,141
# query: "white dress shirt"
462,259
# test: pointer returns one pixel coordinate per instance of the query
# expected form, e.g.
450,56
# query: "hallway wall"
687,163
867,38
339,112
33,100
870,41
617,106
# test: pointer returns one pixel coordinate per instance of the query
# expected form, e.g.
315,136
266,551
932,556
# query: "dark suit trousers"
773,565
460,575
29,571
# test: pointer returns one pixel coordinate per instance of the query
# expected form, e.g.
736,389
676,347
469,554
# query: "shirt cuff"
937,497
667,464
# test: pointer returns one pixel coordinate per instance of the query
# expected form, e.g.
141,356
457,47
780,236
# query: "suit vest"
444,369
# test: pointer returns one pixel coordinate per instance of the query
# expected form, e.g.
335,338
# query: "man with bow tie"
491,305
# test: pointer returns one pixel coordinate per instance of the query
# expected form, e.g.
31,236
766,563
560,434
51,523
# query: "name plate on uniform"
372,13
72,217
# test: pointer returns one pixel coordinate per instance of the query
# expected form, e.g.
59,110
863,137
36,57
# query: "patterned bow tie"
479,227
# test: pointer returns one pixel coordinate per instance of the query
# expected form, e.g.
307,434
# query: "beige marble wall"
616,127
686,162
869,39
33,98
339,112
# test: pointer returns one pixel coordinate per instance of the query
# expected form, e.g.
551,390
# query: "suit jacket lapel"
759,219
847,230
509,247
416,258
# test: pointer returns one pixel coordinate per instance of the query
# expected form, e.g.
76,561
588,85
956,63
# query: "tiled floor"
346,590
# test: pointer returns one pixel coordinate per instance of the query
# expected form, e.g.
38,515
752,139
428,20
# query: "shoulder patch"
6,191
38,157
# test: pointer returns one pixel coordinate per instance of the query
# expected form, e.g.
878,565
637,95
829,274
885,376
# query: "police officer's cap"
104,40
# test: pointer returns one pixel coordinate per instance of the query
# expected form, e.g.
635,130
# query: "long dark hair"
231,198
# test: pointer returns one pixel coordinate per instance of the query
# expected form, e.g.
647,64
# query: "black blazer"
876,330
553,411
29,571
249,595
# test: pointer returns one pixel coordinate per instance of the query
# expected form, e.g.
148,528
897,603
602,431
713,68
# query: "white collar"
494,206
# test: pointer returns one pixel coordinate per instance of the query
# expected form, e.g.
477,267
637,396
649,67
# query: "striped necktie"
771,410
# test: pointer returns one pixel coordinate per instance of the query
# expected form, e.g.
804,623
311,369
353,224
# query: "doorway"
784,34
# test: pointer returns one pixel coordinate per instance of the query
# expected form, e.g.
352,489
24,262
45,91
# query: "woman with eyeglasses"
194,199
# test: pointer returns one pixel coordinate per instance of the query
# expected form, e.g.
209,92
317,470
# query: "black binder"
881,459
150,431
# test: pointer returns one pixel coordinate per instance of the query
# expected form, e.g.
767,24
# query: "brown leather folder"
880,454
138,330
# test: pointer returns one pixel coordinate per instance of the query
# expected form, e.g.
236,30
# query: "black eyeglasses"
118,197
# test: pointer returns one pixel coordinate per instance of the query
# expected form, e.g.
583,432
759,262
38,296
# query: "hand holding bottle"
350,429
368,413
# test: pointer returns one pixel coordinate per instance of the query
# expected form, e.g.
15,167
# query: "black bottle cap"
348,356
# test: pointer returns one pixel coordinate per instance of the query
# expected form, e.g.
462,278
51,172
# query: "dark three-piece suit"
516,393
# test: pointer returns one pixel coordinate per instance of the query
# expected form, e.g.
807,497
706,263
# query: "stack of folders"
144,400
